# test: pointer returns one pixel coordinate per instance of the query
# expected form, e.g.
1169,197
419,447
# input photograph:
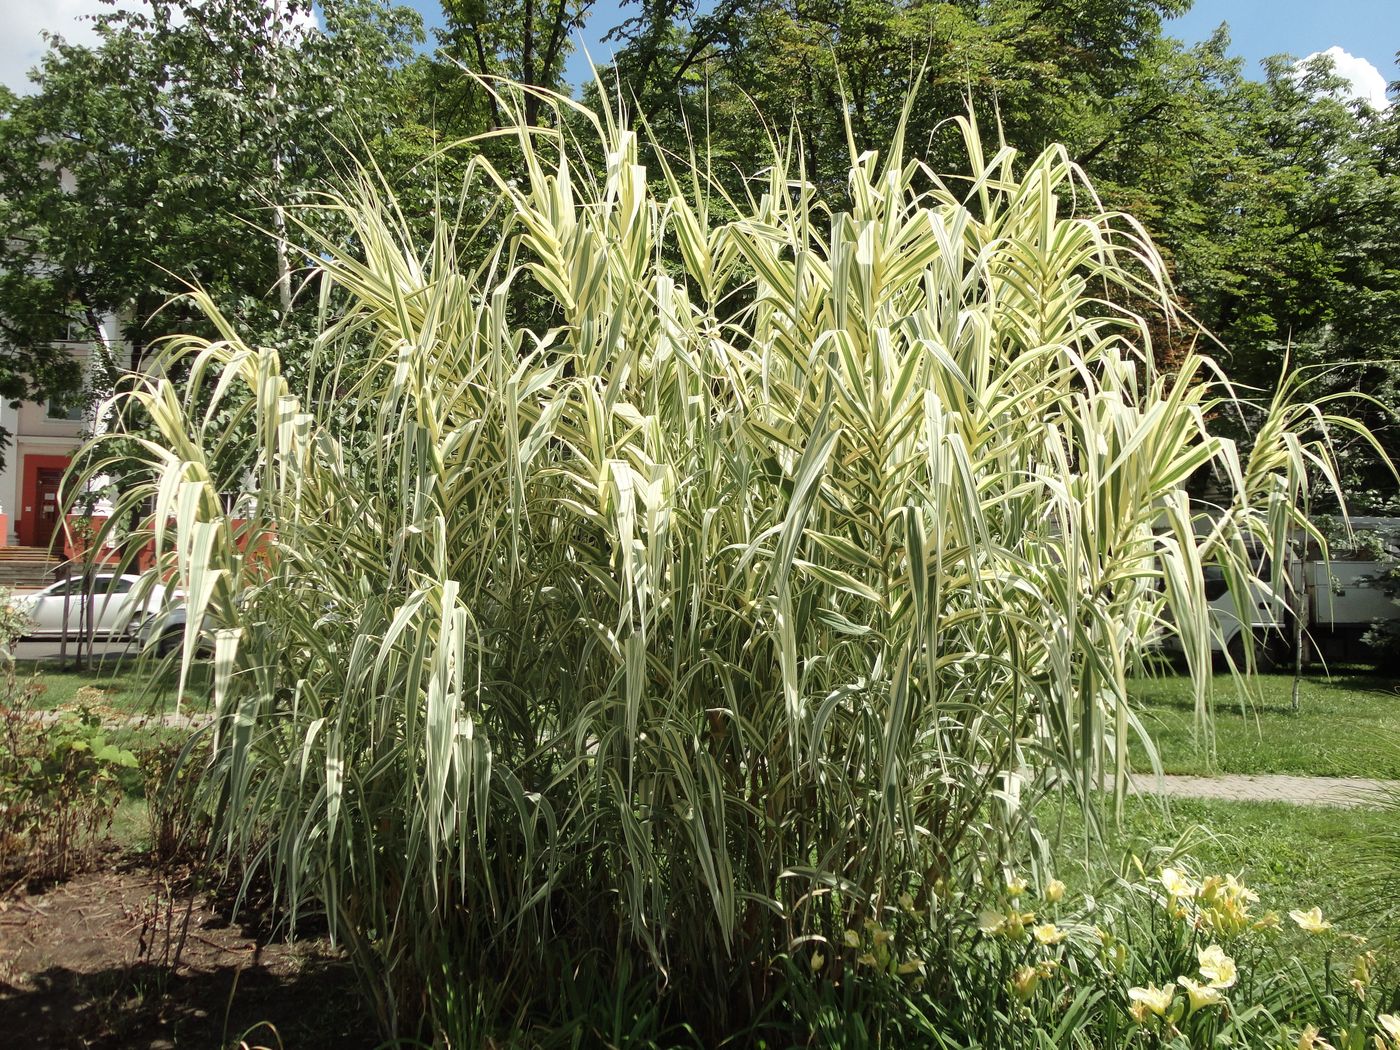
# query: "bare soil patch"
107,959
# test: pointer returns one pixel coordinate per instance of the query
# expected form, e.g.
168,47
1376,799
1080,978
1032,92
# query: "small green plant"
59,783
179,827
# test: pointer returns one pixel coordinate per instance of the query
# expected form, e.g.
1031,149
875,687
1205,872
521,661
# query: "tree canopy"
149,162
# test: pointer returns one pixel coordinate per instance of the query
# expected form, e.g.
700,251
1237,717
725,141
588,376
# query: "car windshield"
1216,585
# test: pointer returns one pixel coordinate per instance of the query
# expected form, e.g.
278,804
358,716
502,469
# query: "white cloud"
23,22
1366,81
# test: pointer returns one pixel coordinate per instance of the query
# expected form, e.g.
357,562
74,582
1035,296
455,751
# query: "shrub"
772,577
179,825
14,625
59,784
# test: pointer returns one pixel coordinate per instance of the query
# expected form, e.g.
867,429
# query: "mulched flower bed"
132,958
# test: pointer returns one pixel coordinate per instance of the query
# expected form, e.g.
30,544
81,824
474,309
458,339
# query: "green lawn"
116,687
1348,725
1293,856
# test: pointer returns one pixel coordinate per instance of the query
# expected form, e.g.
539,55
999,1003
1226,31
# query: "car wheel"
1271,650
169,641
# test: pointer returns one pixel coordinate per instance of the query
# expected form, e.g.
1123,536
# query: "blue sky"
1369,29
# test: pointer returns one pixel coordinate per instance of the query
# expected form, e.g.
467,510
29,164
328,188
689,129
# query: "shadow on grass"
118,685
1271,694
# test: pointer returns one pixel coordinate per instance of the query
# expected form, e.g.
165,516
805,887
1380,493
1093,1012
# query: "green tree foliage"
824,63
146,162
526,41
1272,199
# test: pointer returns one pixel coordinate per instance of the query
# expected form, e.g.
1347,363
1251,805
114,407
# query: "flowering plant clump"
1164,958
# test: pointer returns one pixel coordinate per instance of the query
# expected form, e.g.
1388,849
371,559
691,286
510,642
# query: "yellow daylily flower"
910,966
1390,1025
1158,1000
1016,922
1054,891
817,961
1049,933
866,959
1177,884
1310,920
1216,967
1139,1013
1361,969
991,922
1015,887
883,936
1024,982
851,939
1200,995
1118,956
1239,891
906,901
1310,1040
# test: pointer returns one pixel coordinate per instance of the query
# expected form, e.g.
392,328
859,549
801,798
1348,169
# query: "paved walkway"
111,720
1268,787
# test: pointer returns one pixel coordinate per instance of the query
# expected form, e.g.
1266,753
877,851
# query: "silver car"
119,605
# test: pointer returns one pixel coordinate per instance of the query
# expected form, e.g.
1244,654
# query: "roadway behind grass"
1348,725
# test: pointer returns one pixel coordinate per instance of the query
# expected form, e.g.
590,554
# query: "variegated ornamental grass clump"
773,576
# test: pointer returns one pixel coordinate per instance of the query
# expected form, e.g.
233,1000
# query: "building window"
72,409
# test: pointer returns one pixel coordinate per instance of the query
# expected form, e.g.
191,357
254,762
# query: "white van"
1340,598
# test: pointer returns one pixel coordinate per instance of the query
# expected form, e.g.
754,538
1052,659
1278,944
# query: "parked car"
166,632
120,604
1338,599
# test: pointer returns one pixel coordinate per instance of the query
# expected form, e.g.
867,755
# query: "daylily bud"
1024,982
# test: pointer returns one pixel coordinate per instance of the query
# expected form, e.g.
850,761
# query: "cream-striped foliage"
775,579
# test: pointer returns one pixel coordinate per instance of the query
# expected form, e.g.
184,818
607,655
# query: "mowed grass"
1348,725
1292,856
117,686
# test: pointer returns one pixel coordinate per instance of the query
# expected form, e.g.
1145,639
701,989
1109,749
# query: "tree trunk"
1300,617
279,212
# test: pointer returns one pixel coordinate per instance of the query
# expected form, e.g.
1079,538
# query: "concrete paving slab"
1269,787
